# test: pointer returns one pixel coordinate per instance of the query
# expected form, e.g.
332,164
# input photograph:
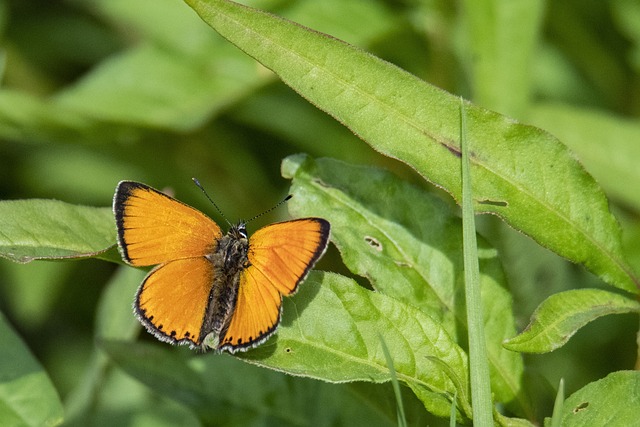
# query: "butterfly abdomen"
229,259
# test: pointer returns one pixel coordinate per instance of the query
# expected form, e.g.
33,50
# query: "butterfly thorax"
230,254
229,258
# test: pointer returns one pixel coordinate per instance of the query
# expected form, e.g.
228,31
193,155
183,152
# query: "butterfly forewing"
284,252
172,300
154,228
280,255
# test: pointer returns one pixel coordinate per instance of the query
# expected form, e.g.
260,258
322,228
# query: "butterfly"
210,290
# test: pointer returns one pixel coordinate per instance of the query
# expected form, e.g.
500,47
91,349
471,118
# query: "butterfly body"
229,259
210,290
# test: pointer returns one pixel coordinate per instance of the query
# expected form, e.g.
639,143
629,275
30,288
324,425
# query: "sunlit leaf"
563,314
613,400
331,329
408,244
50,229
523,174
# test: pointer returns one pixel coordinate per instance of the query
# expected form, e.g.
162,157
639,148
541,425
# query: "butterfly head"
239,231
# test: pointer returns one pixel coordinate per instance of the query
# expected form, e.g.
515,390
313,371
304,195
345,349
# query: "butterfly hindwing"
172,300
280,255
154,228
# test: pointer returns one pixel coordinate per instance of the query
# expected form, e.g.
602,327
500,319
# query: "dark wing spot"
187,334
173,333
159,327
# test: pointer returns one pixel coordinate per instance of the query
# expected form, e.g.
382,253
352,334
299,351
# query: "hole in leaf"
580,407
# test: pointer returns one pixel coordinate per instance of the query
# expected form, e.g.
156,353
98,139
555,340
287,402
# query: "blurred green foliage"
96,91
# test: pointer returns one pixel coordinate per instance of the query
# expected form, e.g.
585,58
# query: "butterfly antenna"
195,180
269,210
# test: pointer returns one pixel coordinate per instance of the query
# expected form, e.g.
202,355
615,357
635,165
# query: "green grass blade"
478,360
402,419
558,405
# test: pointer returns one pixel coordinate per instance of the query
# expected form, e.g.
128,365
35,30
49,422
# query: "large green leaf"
563,314
521,173
408,243
27,396
331,330
50,229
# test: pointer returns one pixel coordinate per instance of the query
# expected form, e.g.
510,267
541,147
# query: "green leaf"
523,174
607,145
224,391
168,374
563,314
493,28
114,320
626,14
408,244
50,229
330,331
611,401
114,317
503,421
27,396
24,117
161,89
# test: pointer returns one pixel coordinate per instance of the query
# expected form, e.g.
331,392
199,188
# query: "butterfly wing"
280,256
172,301
154,228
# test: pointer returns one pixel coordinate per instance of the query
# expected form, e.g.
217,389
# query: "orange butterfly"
208,289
